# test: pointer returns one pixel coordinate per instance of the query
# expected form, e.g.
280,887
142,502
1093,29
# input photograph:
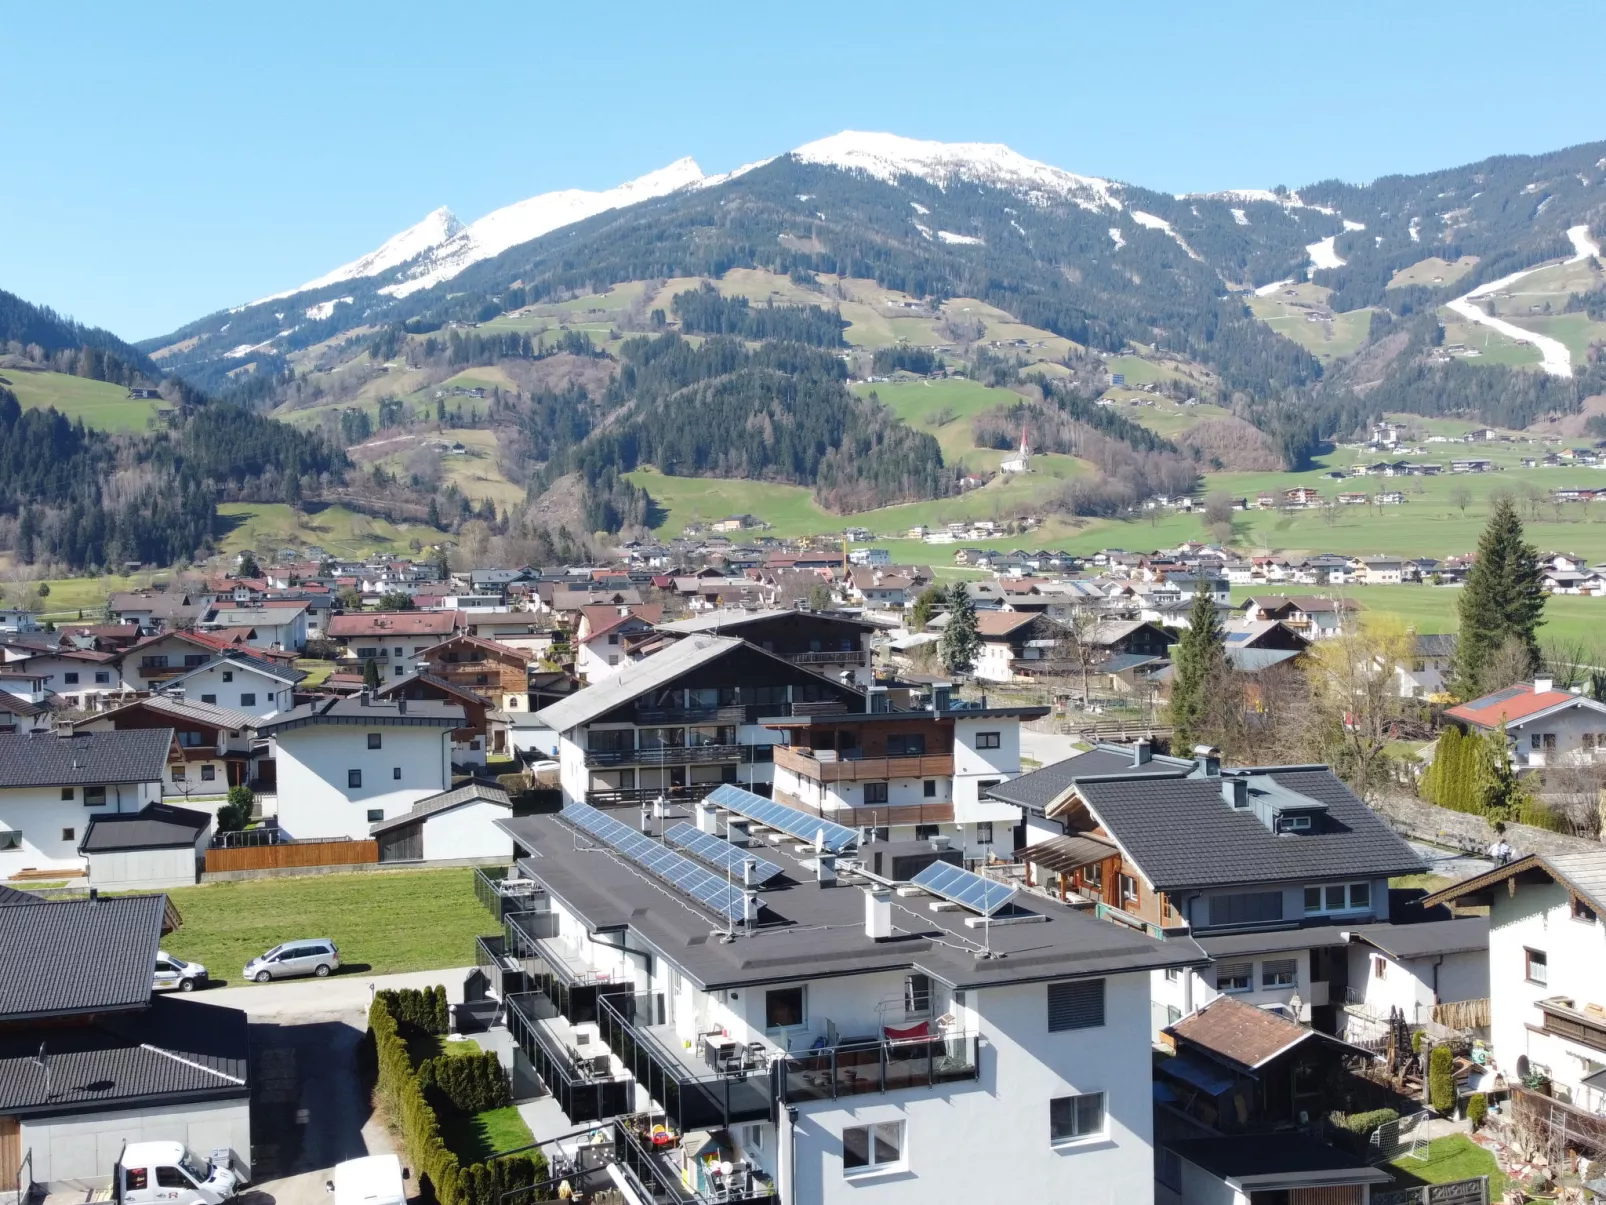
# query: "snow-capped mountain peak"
531,218
436,227
889,156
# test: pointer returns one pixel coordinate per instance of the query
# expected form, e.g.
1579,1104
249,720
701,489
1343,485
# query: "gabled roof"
431,805
1038,789
99,953
1241,1034
395,623
997,625
505,651
179,709
1583,874
636,679
287,674
719,620
1518,704
601,618
44,759
441,684
1181,833
155,826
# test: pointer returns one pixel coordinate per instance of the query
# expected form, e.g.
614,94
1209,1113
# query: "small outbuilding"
459,824
157,847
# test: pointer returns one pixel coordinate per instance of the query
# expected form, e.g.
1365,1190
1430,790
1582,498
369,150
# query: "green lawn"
107,407
479,1136
955,402
1455,1157
267,526
317,671
383,921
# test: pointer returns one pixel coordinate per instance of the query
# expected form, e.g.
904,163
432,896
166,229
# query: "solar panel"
962,887
718,852
834,838
679,871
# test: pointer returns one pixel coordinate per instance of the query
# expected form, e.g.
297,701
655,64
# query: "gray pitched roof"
445,801
635,680
1428,938
185,709
171,1049
1584,873
391,713
156,826
1181,832
1035,791
735,617
10,895
43,759
100,953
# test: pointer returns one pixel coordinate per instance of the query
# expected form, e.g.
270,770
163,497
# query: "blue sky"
162,162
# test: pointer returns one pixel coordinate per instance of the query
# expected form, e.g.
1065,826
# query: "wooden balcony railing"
863,769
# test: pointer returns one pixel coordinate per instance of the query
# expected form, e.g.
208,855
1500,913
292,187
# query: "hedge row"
402,1090
469,1083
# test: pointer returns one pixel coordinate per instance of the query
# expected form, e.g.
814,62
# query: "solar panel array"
972,891
679,871
718,852
794,822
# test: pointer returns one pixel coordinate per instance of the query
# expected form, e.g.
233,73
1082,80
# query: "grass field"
105,407
1454,1157
1433,272
383,921
956,402
1295,318
267,526
1568,617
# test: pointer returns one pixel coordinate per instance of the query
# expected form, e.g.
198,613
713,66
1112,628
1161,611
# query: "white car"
174,974
166,1173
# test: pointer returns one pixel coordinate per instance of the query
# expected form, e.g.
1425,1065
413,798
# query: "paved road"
1046,748
1450,863
344,996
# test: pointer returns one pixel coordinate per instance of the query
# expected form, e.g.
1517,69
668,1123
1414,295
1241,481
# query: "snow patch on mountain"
1240,217
962,240
919,208
1151,222
326,309
925,231
1323,254
1288,200
1115,235
1349,225
1274,286
533,217
888,157
1584,247
419,238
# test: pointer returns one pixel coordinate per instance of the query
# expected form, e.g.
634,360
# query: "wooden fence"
338,852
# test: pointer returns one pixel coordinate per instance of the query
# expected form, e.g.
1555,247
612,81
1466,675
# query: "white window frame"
1249,977
874,1132
1324,907
1079,1139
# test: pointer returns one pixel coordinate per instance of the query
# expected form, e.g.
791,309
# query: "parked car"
308,956
168,1173
174,973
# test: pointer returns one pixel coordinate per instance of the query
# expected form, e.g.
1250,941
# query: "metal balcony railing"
580,1093
681,755
500,895
858,1068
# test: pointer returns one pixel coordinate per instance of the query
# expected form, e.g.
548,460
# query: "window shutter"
1078,1005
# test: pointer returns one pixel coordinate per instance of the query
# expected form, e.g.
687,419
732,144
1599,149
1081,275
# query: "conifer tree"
370,674
1503,598
961,640
1199,661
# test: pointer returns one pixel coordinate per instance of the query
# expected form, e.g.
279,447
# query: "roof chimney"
1142,751
401,706
824,869
878,914
736,831
1236,792
1208,759
1542,685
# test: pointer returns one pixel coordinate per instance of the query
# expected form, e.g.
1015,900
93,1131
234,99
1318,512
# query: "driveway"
1046,748
309,1108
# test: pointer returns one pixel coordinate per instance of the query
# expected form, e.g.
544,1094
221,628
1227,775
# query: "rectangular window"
872,1147
984,832
988,740
1075,1005
94,797
375,815
1550,740
906,744
353,779
925,832
875,792
374,740
208,773
395,773
1076,1117
1380,967
70,678
1173,974
228,675
178,773
929,788
1338,897
1537,967
1129,890
1582,911
248,699
1533,740
68,834
1278,972
209,699
10,839
67,794
783,1007
102,677
1246,908
1235,976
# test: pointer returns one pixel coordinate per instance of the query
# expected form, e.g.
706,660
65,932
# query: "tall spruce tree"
1503,598
1199,660
961,639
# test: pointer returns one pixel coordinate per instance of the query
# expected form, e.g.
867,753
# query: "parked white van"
371,1180
167,1173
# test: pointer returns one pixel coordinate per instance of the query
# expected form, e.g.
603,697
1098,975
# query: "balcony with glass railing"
579,1075
857,1068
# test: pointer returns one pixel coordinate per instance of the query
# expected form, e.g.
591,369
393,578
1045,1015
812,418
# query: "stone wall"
1413,817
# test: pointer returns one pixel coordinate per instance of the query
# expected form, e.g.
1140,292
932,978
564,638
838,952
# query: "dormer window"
1293,824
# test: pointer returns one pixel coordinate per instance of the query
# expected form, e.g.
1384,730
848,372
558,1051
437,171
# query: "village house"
608,637
1543,726
393,639
495,671
823,642
214,746
239,682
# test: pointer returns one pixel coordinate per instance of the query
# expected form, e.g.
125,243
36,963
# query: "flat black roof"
1238,1156
806,931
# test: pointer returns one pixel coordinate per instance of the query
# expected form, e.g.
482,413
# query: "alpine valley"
858,333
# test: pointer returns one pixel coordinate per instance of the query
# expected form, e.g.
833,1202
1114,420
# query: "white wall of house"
314,762
467,832
83,1147
597,659
39,830
975,765
146,869
1539,918
1575,735
1379,982
240,688
82,685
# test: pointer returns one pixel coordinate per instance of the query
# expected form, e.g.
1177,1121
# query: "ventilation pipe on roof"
749,869
1142,751
1208,759
878,914
401,706
824,869
940,841
736,831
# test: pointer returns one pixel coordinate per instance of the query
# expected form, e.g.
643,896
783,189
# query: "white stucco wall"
45,819
314,800
144,869
270,694
467,832
85,1146
973,766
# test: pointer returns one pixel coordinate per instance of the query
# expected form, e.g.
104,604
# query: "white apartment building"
834,1034
344,765
1546,970
240,683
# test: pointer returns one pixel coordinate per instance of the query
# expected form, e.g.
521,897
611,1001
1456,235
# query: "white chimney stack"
1542,685
825,869
878,915
706,813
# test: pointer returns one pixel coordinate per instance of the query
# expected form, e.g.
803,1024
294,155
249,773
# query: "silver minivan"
309,956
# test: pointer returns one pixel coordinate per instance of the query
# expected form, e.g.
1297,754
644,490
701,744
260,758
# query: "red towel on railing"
911,1034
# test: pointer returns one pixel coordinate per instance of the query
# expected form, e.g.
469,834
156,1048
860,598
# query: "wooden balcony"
863,769
876,815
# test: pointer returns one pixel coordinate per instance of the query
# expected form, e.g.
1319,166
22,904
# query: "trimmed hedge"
404,1090
469,1083
1362,1124
1441,1081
